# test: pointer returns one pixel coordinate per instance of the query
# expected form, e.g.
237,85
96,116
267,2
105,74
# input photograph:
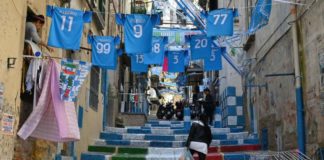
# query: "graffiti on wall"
7,124
1,96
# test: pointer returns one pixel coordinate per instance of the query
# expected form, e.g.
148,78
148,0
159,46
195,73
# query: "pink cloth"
165,65
52,119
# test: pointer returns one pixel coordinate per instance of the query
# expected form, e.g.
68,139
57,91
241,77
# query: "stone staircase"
165,140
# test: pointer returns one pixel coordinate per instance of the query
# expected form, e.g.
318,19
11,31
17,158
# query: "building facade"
271,99
90,104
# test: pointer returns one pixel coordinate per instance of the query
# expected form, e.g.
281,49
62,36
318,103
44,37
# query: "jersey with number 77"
138,31
220,22
66,27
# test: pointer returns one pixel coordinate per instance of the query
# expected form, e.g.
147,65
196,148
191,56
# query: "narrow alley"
162,80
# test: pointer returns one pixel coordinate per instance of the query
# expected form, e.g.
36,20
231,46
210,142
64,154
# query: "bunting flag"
73,74
260,15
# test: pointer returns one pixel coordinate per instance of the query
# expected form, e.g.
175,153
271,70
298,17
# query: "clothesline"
41,57
276,4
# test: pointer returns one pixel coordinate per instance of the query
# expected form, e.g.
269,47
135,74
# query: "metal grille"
285,155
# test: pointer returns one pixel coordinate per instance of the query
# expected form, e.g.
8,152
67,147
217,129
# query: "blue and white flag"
260,15
72,76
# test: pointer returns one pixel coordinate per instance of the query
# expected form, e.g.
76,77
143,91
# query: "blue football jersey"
220,22
176,61
200,47
104,52
137,63
214,62
66,27
157,54
138,31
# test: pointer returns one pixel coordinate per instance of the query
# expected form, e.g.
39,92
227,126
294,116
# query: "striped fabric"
51,119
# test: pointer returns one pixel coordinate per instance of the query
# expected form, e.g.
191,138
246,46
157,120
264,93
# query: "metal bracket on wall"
11,61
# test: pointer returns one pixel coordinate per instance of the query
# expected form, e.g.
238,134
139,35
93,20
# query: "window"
94,88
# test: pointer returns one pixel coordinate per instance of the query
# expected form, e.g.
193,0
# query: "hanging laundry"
52,119
72,76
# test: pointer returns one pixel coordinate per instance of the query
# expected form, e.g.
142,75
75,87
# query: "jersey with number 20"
138,31
66,27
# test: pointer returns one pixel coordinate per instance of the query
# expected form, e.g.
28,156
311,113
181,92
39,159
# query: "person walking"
199,137
209,106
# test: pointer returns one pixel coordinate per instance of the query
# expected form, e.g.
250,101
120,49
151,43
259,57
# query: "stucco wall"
272,48
12,14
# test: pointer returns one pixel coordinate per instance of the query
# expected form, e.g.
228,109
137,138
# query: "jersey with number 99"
138,31
66,27
104,50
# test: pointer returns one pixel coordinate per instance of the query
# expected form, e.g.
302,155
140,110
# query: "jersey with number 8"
156,56
66,27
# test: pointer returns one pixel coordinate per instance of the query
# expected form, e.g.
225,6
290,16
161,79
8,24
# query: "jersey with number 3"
220,22
200,47
104,52
214,62
66,27
157,54
138,31
137,63
176,61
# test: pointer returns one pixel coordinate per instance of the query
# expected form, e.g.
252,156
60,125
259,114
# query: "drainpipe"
298,86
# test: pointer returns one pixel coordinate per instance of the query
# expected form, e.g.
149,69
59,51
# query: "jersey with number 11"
66,27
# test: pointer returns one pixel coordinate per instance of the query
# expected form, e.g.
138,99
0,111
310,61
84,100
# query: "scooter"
179,111
161,112
169,111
